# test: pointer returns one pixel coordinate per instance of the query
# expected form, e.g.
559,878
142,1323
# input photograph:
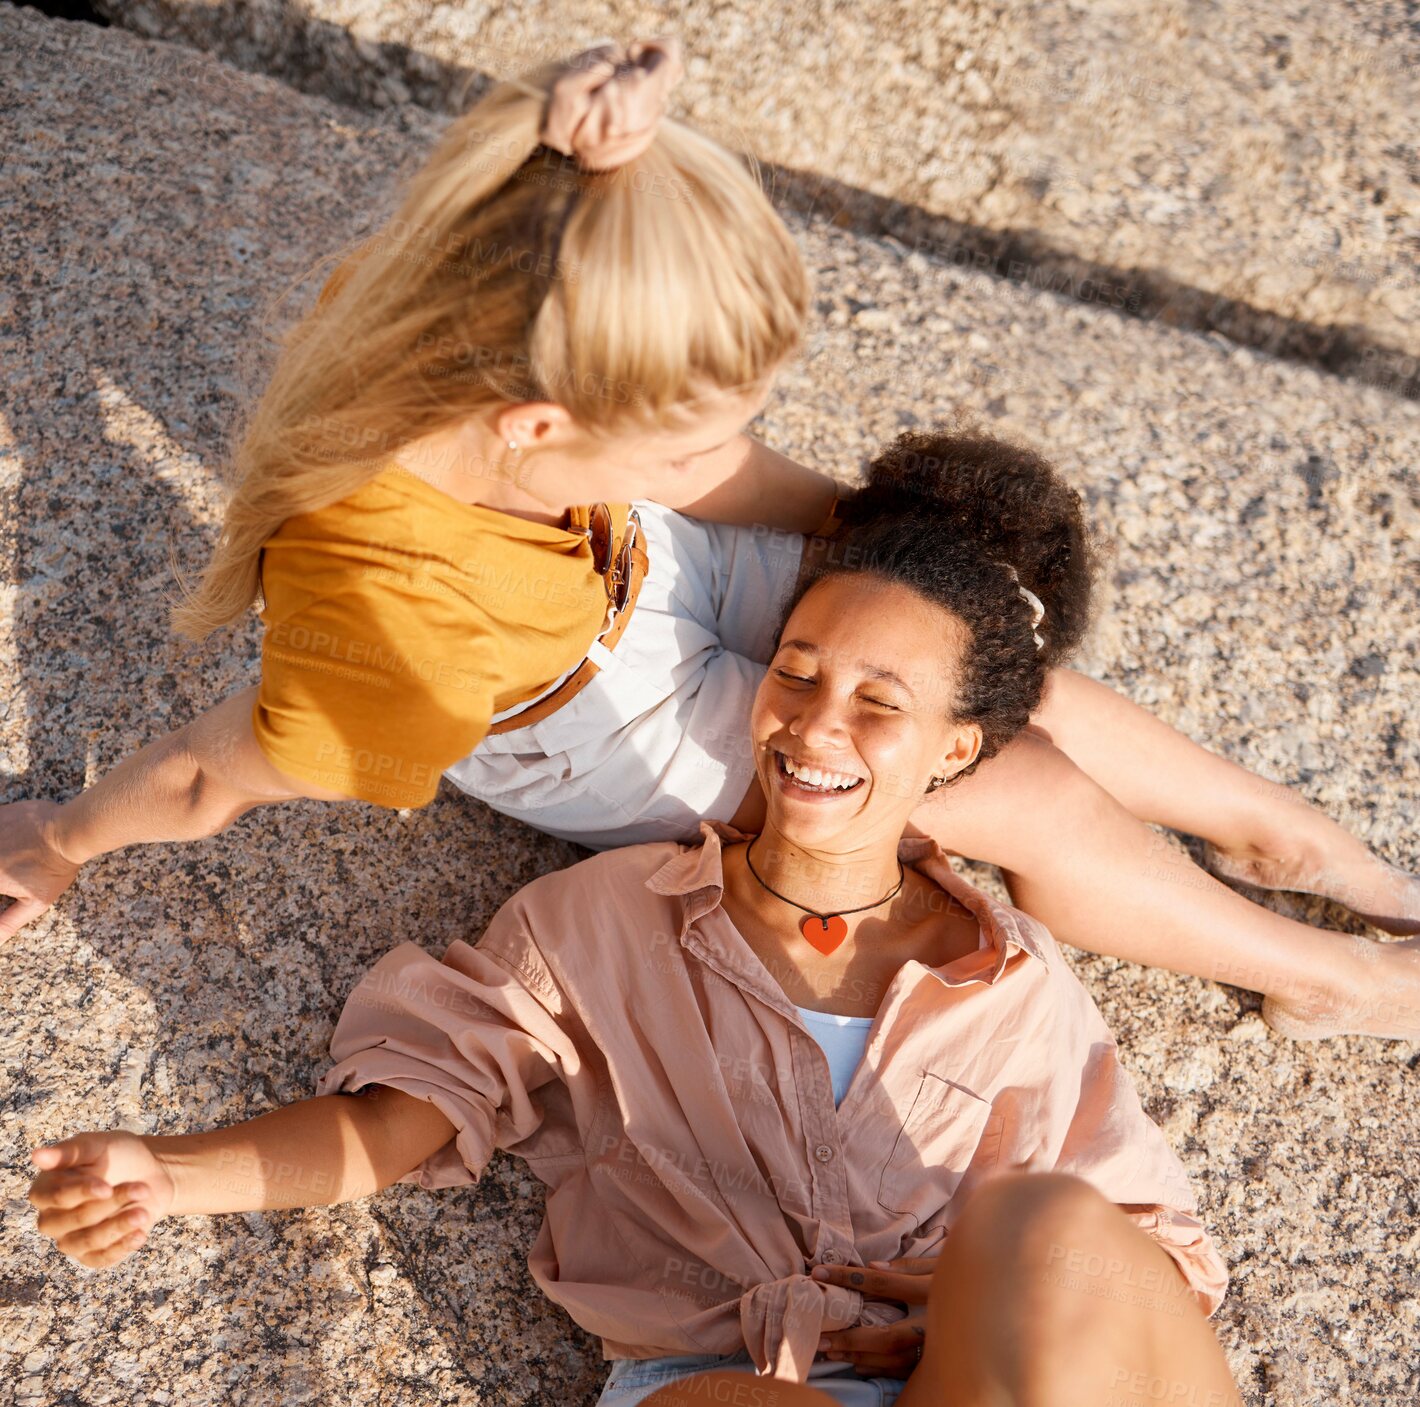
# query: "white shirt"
843,1040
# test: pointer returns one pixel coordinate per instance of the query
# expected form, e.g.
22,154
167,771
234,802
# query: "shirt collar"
696,876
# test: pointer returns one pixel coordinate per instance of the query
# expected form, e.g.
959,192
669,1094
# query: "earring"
509,467
935,783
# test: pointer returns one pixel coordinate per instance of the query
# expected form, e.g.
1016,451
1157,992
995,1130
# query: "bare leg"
1102,880
1261,833
1047,1295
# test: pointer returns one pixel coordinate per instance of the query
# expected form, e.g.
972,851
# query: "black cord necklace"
824,931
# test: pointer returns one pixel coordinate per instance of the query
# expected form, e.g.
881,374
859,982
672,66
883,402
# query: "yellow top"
399,620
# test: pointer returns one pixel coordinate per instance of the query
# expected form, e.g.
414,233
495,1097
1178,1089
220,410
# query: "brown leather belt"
622,566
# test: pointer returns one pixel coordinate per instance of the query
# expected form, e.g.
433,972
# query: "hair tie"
1037,608
604,111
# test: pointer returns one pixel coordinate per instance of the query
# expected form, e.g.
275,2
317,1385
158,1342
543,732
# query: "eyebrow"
871,670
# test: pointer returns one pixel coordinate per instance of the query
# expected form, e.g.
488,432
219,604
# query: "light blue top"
843,1039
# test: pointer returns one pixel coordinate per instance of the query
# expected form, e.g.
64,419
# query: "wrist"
63,832
186,1179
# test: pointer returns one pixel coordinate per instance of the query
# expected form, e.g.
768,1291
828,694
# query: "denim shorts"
659,740
633,1380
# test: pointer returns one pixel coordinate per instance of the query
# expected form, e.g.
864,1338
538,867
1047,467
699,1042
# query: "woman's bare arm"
190,784
100,1194
759,485
332,1148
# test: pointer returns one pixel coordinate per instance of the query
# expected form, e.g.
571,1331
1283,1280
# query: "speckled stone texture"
1261,595
1246,166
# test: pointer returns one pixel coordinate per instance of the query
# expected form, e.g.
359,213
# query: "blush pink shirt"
614,1029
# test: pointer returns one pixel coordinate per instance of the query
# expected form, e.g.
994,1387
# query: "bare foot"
1384,895
1378,996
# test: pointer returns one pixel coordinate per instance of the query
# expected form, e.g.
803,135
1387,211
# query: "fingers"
908,1265
66,1188
889,1339
877,1365
58,1222
887,1350
106,1247
877,1284
99,1233
70,1152
21,912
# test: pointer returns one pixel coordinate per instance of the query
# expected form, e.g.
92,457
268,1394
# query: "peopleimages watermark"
456,358
381,772
370,661
455,253
1045,276
401,991
248,1174
1113,1278
617,1156
1135,1389
726,1389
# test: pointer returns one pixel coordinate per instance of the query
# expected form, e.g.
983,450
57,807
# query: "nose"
820,722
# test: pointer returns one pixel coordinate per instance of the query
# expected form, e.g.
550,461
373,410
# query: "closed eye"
882,703
797,678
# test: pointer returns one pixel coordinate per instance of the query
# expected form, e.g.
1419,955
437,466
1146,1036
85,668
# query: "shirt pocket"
948,1130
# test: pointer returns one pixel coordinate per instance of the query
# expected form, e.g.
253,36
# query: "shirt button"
824,1153
831,1257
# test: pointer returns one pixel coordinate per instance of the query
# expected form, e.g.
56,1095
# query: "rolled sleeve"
454,1033
1187,1241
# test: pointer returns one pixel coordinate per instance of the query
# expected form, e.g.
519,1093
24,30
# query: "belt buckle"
616,575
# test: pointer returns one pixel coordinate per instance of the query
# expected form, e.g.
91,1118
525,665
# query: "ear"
963,748
535,425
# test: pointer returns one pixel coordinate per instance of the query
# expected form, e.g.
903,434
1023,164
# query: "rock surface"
1245,165
1261,597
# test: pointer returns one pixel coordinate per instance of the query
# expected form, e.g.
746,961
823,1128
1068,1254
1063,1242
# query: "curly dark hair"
948,515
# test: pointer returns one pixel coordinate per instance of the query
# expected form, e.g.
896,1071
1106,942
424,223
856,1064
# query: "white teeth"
817,777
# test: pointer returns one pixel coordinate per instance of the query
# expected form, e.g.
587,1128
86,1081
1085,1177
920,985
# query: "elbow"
208,804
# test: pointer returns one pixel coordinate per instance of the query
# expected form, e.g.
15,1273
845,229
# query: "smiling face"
855,716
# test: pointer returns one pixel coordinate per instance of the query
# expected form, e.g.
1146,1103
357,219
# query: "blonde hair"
509,274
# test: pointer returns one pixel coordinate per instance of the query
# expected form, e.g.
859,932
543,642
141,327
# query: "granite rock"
1261,593
1246,166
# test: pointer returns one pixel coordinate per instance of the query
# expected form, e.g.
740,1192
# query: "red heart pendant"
824,933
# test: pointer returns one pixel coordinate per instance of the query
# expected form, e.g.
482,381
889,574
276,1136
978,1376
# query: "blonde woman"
577,308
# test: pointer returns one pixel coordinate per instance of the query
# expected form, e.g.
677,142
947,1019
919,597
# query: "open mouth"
816,781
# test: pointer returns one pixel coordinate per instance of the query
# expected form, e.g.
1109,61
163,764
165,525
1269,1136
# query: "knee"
1030,1244
1024,1222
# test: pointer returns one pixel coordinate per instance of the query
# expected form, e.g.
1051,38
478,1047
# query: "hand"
882,1350
33,871
99,1195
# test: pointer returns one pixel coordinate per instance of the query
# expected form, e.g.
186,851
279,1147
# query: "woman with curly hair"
805,1102
498,508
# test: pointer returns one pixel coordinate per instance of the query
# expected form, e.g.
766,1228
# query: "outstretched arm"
190,784
100,1194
